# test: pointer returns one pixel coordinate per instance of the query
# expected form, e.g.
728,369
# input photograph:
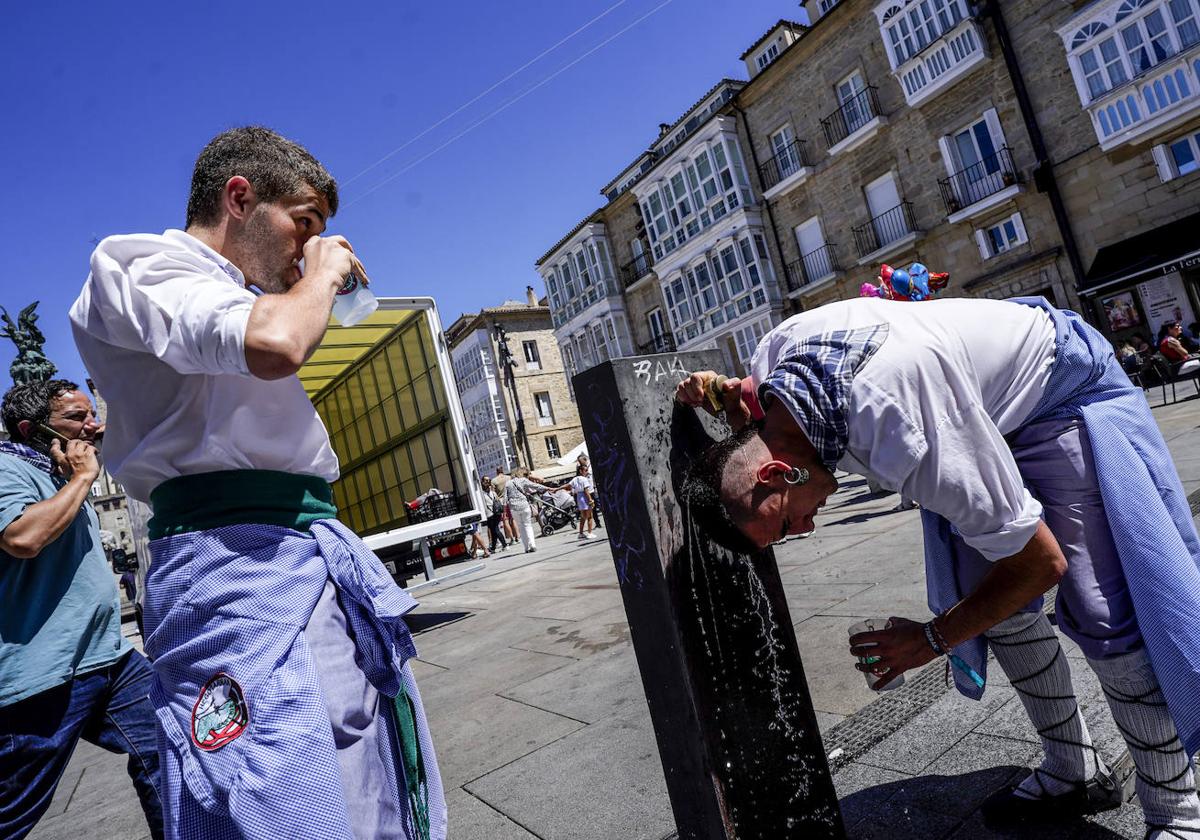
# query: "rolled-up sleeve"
171,305
968,475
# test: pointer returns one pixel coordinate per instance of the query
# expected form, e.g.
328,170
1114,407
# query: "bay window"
704,188
718,287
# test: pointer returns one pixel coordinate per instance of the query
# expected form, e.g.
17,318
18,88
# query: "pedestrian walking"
494,509
507,525
66,672
1035,462
518,493
585,460
281,655
581,487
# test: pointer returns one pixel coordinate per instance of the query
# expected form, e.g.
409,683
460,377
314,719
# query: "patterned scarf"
27,454
812,378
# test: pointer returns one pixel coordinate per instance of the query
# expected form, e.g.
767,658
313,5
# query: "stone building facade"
1027,147
530,421
1119,102
108,497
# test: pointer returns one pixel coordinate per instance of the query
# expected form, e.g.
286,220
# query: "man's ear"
771,471
238,198
23,427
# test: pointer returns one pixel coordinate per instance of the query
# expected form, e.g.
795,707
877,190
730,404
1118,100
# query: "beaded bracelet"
931,636
945,646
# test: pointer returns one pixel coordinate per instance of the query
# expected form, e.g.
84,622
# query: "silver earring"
795,476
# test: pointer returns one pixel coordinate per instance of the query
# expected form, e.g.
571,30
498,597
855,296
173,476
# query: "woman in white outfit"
517,492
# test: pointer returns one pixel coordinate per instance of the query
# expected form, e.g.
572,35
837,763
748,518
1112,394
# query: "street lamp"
506,359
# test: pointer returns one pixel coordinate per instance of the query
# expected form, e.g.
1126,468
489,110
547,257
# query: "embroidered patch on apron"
220,714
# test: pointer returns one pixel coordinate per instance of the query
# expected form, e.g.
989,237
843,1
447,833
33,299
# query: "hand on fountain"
899,648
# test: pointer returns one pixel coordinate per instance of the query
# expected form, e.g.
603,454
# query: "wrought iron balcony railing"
791,159
884,229
812,267
658,344
976,182
635,269
853,114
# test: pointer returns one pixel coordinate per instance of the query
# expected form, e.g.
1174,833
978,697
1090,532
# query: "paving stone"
471,819
604,684
902,595
970,771
502,669
833,682
575,789
924,739
897,820
474,739
568,608
580,639
861,789
805,600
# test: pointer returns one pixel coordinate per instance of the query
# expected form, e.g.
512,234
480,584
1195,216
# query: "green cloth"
59,612
415,787
239,497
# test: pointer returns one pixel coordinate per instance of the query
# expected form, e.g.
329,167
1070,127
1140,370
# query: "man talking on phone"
66,672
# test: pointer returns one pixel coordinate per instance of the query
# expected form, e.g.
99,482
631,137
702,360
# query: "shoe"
1006,808
530,550
589,536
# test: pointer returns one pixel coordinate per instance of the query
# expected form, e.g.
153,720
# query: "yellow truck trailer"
385,391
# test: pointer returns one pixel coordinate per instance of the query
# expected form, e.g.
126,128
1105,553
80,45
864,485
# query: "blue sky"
106,111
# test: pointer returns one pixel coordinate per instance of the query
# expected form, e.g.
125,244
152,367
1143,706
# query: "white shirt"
927,413
161,326
581,485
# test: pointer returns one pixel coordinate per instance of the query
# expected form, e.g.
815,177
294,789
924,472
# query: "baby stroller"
553,515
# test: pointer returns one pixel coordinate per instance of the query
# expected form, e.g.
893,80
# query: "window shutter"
1162,159
948,155
1019,224
992,119
982,241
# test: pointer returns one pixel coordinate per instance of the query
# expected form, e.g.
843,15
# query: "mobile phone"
43,436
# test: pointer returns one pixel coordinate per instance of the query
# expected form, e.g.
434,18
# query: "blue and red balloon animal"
897,284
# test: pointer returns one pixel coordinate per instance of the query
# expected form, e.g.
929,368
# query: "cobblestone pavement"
541,724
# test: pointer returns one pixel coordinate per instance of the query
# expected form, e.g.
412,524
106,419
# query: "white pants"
523,516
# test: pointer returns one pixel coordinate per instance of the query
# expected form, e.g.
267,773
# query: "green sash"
239,497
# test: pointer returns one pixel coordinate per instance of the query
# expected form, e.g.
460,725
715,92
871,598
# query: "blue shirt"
59,612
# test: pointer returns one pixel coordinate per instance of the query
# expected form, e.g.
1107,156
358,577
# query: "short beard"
256,243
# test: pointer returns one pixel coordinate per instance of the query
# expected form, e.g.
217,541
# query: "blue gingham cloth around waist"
235,600
1147,509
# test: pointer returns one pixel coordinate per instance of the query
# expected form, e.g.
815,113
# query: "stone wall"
799,90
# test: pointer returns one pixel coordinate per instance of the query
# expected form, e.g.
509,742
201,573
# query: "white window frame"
784,151
767,55
534,362
1168,165
908,28
952,159
545,410
1091,37
988,249
553,452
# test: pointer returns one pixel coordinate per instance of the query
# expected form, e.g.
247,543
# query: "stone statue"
31,364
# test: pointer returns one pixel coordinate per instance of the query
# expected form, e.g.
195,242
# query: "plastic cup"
873,680
353,302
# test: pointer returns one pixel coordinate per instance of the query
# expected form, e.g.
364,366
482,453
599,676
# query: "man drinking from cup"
286,703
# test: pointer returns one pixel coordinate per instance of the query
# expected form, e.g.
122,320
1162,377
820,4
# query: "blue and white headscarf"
27,454
812,378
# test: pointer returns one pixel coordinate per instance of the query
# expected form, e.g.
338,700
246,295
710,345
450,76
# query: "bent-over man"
1036,462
